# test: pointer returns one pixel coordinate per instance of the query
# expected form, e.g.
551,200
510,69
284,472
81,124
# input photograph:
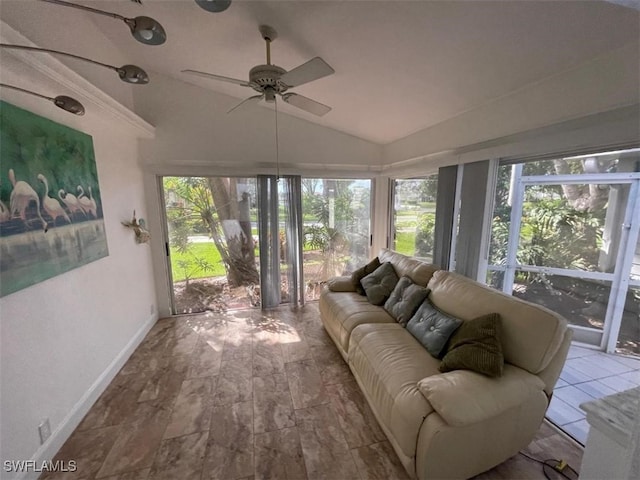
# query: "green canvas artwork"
51,218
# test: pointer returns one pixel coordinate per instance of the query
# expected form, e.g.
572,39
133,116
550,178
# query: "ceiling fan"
271,80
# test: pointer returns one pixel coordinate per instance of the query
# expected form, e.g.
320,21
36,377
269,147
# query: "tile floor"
589,374
247,395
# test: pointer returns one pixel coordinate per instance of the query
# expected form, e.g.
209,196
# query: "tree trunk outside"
238,253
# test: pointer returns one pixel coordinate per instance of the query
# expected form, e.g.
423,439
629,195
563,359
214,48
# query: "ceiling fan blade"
244,83
306,104
307,72
254,99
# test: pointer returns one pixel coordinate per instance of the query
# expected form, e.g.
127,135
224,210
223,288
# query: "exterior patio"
587,375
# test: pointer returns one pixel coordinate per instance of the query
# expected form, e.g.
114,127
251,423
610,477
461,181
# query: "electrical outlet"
44,429
152,309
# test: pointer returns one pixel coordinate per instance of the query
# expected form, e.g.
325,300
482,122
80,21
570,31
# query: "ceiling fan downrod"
269,34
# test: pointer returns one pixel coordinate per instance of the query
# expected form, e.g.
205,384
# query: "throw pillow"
362,272
379,284
405,300
476,346
432,327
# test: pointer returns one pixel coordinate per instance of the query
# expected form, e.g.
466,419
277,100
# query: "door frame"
620,278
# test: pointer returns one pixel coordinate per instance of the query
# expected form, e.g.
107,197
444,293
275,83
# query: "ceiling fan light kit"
144,29
270,80
215,6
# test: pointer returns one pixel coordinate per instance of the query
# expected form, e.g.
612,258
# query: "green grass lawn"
406,242
205,251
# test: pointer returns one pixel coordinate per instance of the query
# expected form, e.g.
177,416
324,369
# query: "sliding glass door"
241,242
336,215
565,235
212,240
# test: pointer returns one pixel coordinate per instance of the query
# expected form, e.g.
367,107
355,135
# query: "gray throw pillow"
405,300
379,284
362,272
432,328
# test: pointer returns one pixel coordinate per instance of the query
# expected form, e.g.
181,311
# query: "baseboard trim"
64,430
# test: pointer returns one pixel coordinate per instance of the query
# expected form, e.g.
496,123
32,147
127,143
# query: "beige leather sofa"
460,423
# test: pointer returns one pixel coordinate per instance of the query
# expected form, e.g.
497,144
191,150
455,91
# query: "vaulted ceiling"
401,66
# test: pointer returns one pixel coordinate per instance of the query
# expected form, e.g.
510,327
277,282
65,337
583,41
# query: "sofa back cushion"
531,334
418,271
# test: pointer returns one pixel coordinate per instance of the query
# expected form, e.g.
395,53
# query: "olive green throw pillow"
362,272
379,284
476,346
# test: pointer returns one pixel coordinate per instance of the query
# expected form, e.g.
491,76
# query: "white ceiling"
401,66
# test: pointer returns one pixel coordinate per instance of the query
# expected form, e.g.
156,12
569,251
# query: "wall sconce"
144,29
139,229
68,104
127,73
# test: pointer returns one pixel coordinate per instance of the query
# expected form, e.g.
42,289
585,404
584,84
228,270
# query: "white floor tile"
633,362
596,389
591,367
572,396
578,430
617,383
576,351
633,377
560,383
573,376
562,413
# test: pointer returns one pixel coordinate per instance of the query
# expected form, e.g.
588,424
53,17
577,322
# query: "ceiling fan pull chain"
277,143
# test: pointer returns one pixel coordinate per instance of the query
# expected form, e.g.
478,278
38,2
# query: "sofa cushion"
405,300
417,270
379,284
531,334
476,346
464,397
362,272
432,328
388,364
341,312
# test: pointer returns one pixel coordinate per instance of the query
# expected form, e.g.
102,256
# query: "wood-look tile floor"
247,395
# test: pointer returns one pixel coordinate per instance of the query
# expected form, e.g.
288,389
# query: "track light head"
133,74
69,104
146,30
214,6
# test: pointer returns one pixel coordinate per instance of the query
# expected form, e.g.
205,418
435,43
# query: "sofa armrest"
341,284
463,397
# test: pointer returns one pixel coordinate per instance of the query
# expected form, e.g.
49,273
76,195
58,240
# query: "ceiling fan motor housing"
263,77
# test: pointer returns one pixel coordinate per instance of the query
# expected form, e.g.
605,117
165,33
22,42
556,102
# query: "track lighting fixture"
68,104
214,6
144,29
127,73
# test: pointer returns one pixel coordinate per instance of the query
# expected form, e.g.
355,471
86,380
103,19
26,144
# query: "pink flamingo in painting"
21,196
71,202
51,205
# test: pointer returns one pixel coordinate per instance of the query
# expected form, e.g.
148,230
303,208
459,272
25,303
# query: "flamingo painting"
51,205
21,196
45,161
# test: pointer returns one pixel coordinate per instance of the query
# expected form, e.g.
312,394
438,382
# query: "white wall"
62,340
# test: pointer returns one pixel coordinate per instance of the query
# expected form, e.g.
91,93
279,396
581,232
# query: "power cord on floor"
558,467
